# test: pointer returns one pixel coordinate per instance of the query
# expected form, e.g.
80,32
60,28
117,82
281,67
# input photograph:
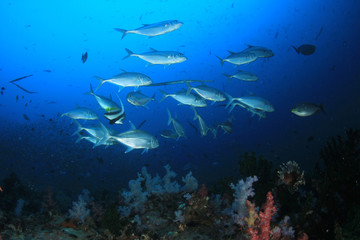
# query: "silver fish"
126,79
186,98
203,127
239,58
154,29
208,93
105,103
139,99
243,75
168,133
134,139
158,57
179,129
307,109
81,113
254,102
261,52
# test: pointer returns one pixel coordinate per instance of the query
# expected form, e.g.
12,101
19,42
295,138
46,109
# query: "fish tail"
228,76
170,118
221,60
106,137
322,109
102,81
230,99
79,138
190,88
124,32
165,95
129,52
91,91
196,115
80,128
232,107
296,49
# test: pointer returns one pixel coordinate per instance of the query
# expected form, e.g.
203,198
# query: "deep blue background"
52,35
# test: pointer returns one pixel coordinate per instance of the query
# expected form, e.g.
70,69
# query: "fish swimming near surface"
139,99
239,58
243,75
158,57
154,29
186,98
133,139
261,52
126,79
208,93
84,57
307,109
179,129
81,113
305,49
168,133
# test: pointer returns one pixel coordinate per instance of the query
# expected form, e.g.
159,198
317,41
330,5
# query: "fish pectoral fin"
153,49
145,150
128,149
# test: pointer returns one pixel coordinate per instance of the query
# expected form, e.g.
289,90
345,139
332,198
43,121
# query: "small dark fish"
2,88
84,57
140,125
276,34
50,120
26,104
26,117
310,139
22,97
30,101
1,92
42,115
47,70
17,98
305,49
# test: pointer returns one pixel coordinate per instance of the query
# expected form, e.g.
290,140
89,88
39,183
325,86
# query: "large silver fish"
253,102
239,58
139,99
158,57
179,129
126,79
81,113
154,29
307,109
168,133
186,98
208,93
133,139
243,75
261,52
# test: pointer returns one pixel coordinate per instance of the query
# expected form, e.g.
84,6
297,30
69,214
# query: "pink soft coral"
265,218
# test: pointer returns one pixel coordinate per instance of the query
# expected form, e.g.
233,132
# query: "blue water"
47,38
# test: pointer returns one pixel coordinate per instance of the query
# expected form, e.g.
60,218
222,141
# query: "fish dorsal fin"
231,52
122,70
132,126
153,49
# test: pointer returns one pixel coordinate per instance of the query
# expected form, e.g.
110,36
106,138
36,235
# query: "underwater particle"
84,57
305,49
291,175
